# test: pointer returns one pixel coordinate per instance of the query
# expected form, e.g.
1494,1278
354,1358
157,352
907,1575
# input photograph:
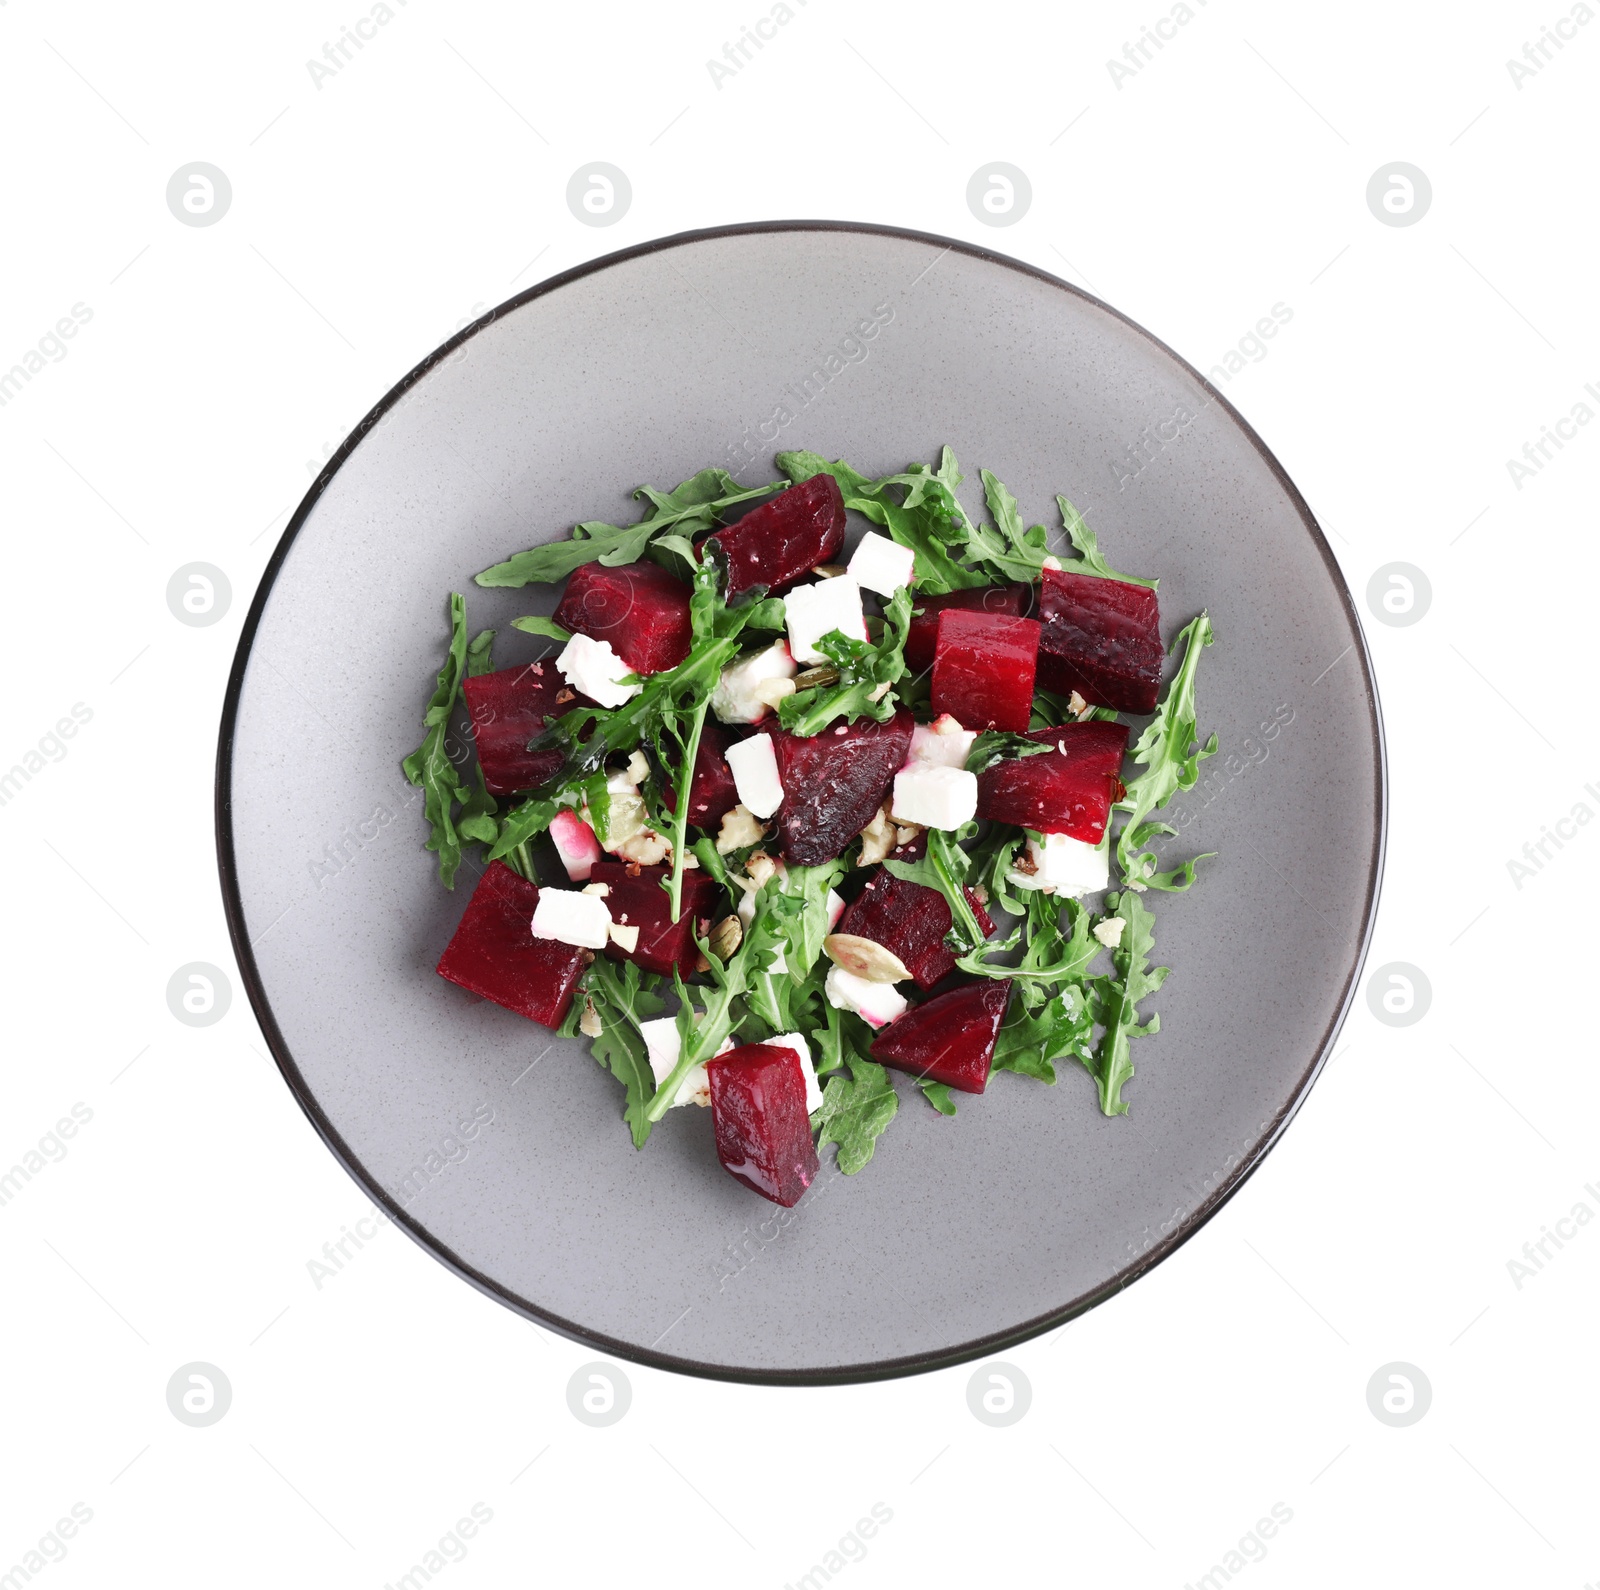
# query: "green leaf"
858,1101
542,626
622,1002
429,767
868,672
1117,997
800,466
938,1094
479,654
1089,560
1170,753
1062,1026
997,745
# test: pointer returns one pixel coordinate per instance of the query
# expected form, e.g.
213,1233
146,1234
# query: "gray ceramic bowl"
501,1149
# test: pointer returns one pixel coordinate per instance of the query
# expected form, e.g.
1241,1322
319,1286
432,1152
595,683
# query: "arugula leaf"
694,505
1007,551
479,654
1164,751
429,766
1062,1026
1089,560
856,1107
622,1004
998,745
800,465
542,626
1117,996
867,675
928,519
938,1094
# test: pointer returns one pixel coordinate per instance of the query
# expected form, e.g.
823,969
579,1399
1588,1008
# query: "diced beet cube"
1014,600
949,1039
758,1112
983,667
834,782
712,793
508,708
495,955
1069,790
1101,638
641,609
910,921
636,899
781,541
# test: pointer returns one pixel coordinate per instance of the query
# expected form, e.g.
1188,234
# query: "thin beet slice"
983,668
1013,600
712,793
758,1112
1101,638
495,955
1069,790
949,1039
782,540
635,898
910,921
508,709
834,782
641,609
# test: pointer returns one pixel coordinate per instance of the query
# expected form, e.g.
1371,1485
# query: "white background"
374,213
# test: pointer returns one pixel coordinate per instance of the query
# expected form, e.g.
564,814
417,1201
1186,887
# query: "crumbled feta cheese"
754,764
877,1004
740,827
942,743
742,693
793,1040
571,918
835,909
1066,865
812,611
591,667
626,939
935,797
662,1046
1109,932
575,843
882,565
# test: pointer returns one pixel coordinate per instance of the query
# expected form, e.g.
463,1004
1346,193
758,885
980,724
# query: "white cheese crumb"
740,827
754,764
741,692
942,743
935,797
1109,932
575,843
835,909
812,611
877,1004
1064,865
591,667
570,917
882,565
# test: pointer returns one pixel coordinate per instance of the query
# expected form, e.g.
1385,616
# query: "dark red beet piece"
1014,600
834,782
983,667
950,1039
1065,791
640,901
641,609
908,920
1101,638
508,709
758,1112
712,794
495,955
782,540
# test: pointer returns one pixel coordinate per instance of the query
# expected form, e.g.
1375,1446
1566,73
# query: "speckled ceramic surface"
962,1235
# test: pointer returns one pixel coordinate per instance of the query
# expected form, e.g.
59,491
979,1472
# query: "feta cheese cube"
571,917
793,1040
935,797
575,843
738,697
662,1047
882,565
1067,865
835,909
942,743
754,765
812,611
593,669
877,1004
